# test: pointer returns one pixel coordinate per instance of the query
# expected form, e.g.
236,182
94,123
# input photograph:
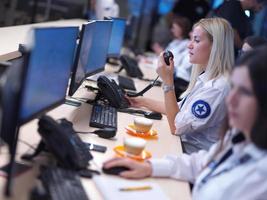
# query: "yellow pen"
126,189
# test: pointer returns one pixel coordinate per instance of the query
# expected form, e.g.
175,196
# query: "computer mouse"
115,170
153,115
106,132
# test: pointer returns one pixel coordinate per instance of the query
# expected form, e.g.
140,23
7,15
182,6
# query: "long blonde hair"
221,57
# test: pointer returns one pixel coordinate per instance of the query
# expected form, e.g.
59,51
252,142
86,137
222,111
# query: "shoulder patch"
201,109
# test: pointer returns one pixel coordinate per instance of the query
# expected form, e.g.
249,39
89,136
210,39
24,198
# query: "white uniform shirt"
247,181
202,113
182,65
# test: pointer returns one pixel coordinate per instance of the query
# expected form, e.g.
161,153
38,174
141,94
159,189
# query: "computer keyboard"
103,116
126,83
62,184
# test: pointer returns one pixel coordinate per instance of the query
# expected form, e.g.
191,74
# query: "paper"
110,189
109,75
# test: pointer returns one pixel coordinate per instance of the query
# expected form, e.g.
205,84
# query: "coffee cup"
134,145
142,124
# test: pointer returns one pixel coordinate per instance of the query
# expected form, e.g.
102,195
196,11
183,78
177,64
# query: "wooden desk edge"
10,56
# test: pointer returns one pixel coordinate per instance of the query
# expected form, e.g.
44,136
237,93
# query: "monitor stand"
18,168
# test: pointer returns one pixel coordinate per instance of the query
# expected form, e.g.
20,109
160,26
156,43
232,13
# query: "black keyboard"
103,116
62,184
126,83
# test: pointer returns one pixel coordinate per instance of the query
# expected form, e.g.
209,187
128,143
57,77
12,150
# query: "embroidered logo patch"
201,109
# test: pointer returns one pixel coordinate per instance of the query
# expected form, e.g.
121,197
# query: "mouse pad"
152,134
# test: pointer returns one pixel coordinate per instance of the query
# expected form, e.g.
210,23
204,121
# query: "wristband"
167,88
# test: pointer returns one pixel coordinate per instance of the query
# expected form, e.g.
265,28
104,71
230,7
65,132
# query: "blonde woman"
198,118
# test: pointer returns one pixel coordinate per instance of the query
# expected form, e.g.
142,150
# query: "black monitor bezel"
73,87
15,125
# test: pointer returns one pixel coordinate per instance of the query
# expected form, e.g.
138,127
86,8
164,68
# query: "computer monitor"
91,52
49,68
40,85
10,90
117,37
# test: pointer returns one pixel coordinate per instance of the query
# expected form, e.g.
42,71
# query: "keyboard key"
103,116
62,184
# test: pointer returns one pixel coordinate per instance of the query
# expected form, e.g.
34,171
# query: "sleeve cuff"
161,167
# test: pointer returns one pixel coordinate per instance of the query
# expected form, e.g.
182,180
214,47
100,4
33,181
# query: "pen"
135,188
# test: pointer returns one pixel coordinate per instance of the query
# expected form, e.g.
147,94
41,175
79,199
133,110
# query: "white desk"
11,37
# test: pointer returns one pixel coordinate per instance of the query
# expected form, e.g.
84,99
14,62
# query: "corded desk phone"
62,141
115,94
131,66
112,92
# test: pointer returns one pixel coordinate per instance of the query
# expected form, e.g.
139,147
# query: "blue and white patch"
201,109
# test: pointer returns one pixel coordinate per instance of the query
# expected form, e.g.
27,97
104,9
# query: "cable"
82,132
28,144
144,90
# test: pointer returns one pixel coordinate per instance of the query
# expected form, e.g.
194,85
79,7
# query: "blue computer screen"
117,35
48,71
99,46
92,52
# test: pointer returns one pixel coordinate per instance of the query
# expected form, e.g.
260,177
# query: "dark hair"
255,61
262,1
255,41
184,23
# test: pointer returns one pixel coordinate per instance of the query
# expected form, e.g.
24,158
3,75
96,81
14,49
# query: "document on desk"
118,188
109,75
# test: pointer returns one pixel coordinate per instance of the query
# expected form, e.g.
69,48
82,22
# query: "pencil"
135,188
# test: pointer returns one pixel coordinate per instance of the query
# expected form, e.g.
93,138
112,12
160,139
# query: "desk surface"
11,37
166,144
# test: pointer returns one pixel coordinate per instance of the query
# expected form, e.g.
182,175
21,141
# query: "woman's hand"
136,102
136,170
164,71
157,48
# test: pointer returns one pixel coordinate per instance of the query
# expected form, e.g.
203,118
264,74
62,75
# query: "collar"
203,77
255,152
248,147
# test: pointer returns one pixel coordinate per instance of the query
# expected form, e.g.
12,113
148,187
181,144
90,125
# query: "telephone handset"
61,140
131,67
167,55
112,92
